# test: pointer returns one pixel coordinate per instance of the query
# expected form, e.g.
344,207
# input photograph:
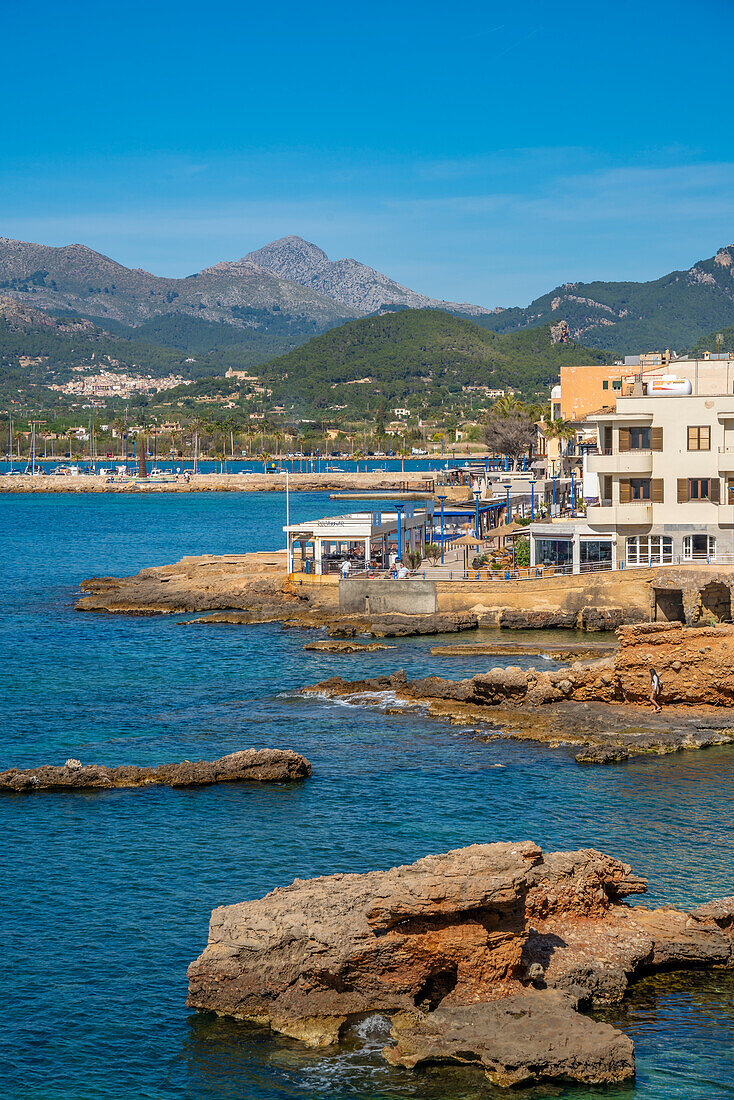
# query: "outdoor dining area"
358,541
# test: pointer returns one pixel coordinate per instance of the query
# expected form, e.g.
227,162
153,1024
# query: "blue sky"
478,152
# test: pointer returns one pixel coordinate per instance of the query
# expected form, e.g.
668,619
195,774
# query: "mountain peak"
348,281
290,258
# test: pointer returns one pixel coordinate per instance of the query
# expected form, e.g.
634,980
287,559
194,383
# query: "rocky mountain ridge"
291,289
77,279
676,310
348,281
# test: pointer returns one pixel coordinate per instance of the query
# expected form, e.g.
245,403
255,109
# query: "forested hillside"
674,311
426,352
710,343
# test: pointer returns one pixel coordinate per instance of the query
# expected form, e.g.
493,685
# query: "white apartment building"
666,478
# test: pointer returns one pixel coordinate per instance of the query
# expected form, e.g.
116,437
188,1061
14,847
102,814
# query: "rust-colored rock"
471,926
695,664
259,765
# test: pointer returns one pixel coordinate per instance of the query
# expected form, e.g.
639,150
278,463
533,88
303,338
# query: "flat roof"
359,524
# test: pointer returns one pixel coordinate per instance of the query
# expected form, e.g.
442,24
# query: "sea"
106,896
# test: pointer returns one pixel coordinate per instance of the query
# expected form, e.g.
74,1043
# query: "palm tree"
563,431
119,426
197,425
508,404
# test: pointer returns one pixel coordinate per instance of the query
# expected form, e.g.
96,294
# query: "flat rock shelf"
258,765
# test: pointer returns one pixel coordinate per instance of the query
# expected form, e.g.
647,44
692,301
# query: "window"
640,439
605,384
617,384
699,439
553,551
699,489
640,488
699,546
595,551
654,549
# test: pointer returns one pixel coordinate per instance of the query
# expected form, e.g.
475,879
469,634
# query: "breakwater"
251,482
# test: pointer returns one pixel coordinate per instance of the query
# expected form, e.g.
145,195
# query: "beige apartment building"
666,478
665,468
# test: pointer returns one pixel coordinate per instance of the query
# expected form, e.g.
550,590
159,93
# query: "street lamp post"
399,510
443,501
507,503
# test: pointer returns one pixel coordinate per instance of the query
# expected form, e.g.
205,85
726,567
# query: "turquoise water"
107,896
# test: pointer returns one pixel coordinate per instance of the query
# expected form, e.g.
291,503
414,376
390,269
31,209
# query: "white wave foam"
380,700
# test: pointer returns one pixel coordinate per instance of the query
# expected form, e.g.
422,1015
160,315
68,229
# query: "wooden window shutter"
683,493
714,490
624,491
624,439
657,489
656,439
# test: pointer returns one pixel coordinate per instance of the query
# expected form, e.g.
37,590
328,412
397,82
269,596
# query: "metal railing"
513,573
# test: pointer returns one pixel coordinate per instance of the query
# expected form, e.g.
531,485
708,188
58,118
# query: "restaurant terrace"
362,538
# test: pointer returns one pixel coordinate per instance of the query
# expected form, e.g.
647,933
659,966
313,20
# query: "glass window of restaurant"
644,549
699,547
595,552
553,551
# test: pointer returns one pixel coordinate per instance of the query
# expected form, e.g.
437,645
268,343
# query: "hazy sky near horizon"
476,152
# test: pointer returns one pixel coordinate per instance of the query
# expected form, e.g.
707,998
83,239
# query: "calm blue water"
107,896
313,465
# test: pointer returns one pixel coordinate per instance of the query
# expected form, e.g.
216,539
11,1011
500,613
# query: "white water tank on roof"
669,386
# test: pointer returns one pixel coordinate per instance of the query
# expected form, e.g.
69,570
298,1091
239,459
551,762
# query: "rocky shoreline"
480,955
246,589
253,765
571,652
598,704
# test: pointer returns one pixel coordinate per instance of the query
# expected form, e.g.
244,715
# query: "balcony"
635,514
632,463
726,460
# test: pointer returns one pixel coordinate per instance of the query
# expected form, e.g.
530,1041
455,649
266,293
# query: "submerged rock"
537,1035
260,765
336,645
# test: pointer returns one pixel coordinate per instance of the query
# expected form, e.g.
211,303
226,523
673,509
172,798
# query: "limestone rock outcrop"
470,927
695,664
534,1036
259,765
696,670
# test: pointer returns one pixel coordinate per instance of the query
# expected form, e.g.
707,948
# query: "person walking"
655,691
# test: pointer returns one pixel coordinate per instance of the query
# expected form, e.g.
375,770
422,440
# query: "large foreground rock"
534,1036
260,765
475,926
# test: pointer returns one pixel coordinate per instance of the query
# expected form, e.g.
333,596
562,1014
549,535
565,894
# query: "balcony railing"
608,451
